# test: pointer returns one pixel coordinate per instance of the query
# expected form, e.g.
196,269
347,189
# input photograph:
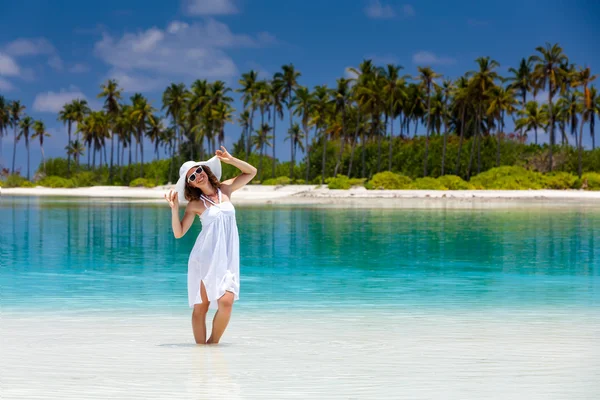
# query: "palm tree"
481,82
40,132
261,139
249,97
25,125
75,111
278,87
394,93
289,79
548,70
75,149
173,100
319,118
583,78
4,123
16,110
532,117
141,114
502,100
461,95
295,136
64,115
303,103
522,80
592,111
342,96
427,77
111,91
447,89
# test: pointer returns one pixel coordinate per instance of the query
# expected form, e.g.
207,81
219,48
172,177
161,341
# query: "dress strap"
207,199
219,190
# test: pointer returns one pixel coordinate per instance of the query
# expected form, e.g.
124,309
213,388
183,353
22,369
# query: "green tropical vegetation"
363,131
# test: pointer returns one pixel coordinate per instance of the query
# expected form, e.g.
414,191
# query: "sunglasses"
192,177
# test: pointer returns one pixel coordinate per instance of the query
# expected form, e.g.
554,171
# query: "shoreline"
305,195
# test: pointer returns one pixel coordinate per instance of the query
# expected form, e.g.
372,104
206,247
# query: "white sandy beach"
317,195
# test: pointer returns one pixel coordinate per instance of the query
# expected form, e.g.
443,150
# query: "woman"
213,265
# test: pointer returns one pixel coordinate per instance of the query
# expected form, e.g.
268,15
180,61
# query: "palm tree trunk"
391,137
112,148
28,163
364,148
141,154
473,139
342,143
353,144
445,143
262,151
105,157
478,130
14,150
427,130
379,140
43,158
69,154
499,138
306,131
580,147
129,166
324,154
274,122
551,120
249,138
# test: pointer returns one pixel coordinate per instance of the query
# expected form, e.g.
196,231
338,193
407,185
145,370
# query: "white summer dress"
215,257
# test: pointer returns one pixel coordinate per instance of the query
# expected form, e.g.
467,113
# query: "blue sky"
50,55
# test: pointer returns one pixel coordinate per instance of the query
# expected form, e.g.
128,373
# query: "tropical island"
361,133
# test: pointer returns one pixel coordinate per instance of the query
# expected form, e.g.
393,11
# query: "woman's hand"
224,155
172,199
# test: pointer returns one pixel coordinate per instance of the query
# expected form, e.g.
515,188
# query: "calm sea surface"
453,303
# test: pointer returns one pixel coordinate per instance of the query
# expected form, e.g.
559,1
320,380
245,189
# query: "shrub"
591,180
15,181
142,182
389,180
509,178
84,179
56,182
454,182
282,180
427,184
561,180
339,182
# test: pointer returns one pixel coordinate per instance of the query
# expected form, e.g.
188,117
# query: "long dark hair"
193,193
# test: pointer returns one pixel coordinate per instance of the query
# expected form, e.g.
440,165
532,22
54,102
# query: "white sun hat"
215,167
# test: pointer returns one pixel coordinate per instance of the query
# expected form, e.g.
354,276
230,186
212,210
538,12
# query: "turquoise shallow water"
59,255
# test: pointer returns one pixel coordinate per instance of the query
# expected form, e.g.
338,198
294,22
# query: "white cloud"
132,82
53,102
5,85
79,68
408,10
23,47
30,47
55,62
428,58
210,7
376,10
8,66
180,50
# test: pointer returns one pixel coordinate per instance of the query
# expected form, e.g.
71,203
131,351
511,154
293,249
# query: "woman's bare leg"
222,317
199,317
